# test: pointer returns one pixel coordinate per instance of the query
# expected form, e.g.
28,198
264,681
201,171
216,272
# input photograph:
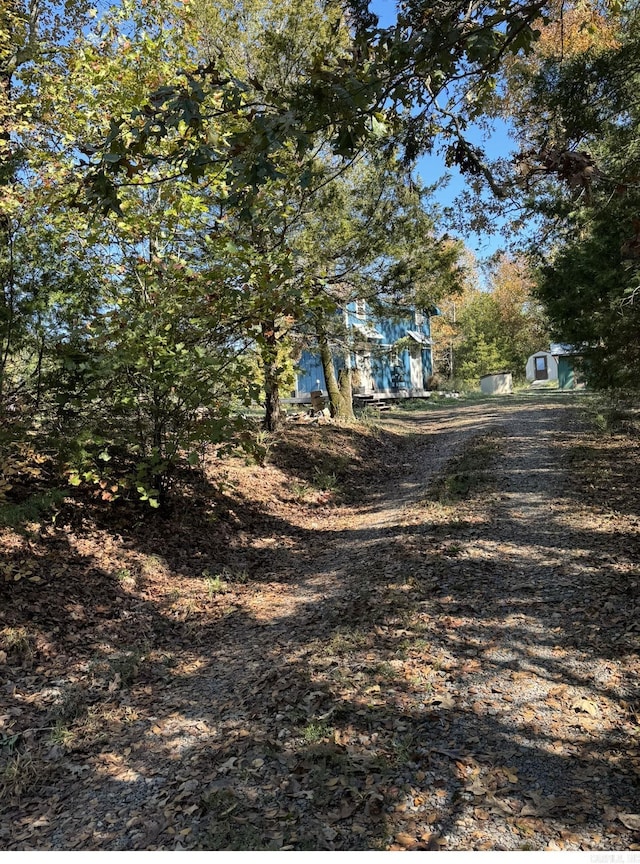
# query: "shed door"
542,373
566,376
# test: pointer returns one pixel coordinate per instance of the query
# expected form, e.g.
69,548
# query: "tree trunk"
272,414
7,171
345,383
160,478
340,402
39,370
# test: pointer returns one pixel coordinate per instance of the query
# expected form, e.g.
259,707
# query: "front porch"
372,397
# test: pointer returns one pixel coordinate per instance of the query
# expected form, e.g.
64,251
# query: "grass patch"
31,510
215,584
326,481
153,566
615,413
62,735
18,644
385,671
343,641
300,491
219,583
127,579
226,828
21,773
73,706
468,473
315,732
449,397
126,666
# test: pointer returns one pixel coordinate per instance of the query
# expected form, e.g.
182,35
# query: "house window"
361,308
419,318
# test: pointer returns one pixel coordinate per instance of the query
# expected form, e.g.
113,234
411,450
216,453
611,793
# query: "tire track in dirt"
536,696
357,533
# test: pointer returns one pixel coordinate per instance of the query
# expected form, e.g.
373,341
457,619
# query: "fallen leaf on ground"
586,706
630,821
406,840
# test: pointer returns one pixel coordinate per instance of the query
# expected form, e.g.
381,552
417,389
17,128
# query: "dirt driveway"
451,664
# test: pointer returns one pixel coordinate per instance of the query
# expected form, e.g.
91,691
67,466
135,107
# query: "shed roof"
561,349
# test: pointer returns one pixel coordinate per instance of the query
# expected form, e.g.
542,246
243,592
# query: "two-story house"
388,355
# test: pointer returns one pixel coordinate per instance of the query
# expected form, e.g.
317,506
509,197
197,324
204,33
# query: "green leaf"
378,129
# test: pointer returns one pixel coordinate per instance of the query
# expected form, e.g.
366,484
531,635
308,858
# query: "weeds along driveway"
449,664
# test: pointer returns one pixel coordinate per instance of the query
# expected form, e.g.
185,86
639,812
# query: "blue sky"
431,168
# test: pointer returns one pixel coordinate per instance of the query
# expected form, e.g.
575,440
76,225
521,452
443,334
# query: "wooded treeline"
132,334
573,105
190,191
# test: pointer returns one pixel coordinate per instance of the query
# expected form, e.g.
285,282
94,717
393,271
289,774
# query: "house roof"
419,337
367,330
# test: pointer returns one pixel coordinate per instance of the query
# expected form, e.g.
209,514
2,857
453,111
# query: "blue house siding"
382,368
427,366
310,375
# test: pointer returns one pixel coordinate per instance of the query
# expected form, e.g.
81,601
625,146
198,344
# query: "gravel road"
418,672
